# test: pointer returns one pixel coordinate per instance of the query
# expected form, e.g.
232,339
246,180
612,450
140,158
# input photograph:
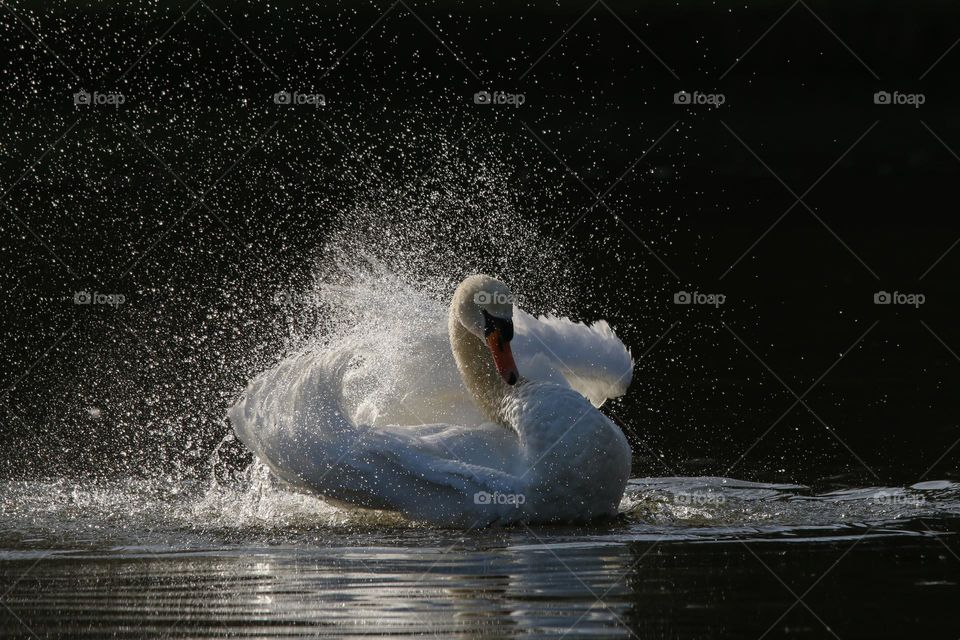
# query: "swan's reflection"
487,584
482,584
520,584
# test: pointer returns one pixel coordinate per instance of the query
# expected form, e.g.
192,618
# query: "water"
688,557
112,523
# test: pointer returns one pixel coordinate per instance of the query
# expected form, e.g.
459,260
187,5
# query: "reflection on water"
692,557
547,588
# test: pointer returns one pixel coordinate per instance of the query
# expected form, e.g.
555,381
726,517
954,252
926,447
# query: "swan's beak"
503,357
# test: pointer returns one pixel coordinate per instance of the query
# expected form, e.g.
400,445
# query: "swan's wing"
292,417
589,358
435,472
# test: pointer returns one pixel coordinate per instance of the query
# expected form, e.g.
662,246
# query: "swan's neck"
477,369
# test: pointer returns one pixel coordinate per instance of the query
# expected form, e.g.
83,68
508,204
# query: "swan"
506,445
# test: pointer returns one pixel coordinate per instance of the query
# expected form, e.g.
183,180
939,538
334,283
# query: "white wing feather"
590,358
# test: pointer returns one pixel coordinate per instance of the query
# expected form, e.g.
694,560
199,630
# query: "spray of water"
383,269
162,467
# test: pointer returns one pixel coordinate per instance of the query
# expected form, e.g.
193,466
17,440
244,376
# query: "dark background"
105,199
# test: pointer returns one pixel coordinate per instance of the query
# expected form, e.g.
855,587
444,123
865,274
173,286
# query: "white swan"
516,449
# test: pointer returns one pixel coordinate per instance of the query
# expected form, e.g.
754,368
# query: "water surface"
689,557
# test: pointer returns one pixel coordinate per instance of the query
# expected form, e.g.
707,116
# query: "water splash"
139,516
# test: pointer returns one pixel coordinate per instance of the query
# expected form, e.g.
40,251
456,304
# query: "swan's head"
484,307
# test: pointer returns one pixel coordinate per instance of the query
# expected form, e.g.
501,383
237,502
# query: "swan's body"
497,449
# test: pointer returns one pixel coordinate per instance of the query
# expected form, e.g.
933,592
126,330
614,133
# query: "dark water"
538,584
689,557
209,208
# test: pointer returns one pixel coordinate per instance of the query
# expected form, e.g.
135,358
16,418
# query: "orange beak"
503,357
